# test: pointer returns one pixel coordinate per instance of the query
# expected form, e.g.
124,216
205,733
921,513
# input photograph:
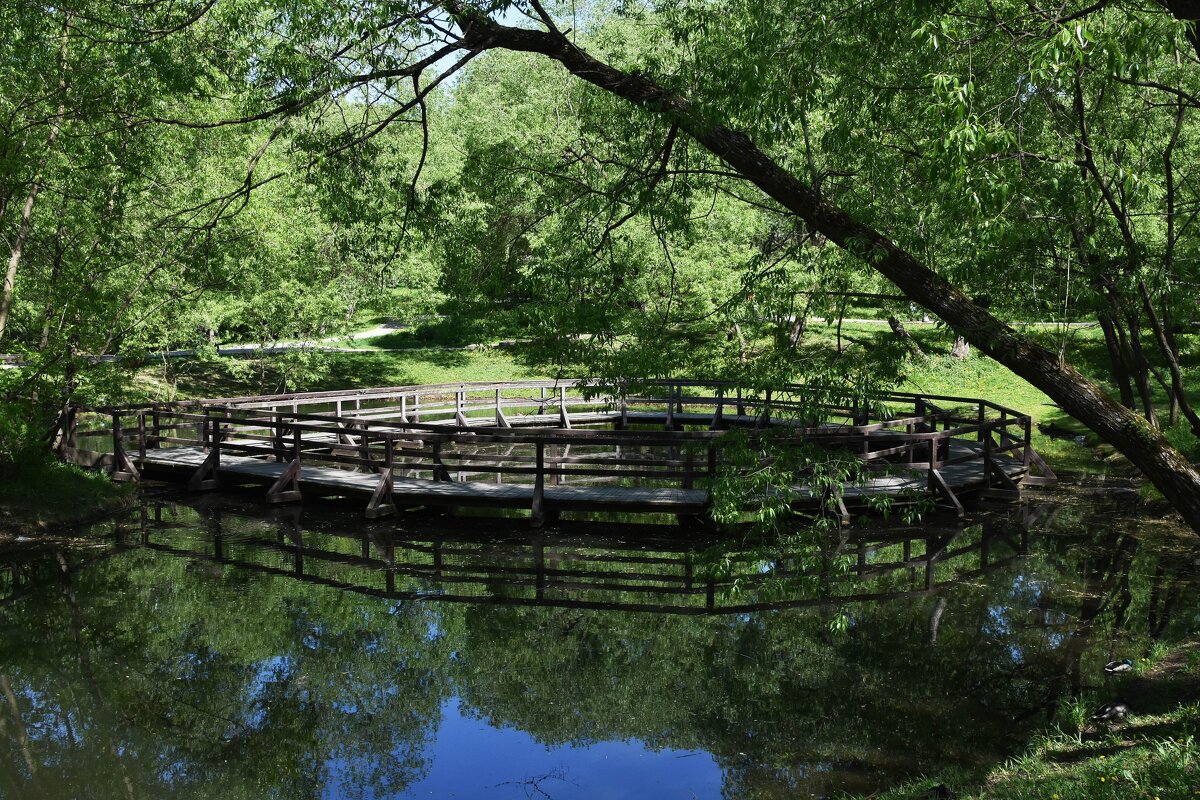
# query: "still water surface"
215,649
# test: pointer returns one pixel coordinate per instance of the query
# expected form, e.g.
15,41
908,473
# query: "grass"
34,496
316,371
1154,754
980,376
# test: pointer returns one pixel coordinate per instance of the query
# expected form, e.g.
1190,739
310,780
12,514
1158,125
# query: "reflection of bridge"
562,446
572,570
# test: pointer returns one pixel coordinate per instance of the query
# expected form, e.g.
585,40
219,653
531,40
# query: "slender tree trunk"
18,246
1172,358
902,333
1116,359
1170,472
1141,372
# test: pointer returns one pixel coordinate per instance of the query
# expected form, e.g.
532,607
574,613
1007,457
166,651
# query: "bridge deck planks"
414,491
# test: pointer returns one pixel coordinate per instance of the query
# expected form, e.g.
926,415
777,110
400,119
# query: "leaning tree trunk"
1175,477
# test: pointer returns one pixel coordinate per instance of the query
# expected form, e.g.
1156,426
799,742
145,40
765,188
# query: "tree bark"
18,247
902,332
1170,472
1179,398
1116,359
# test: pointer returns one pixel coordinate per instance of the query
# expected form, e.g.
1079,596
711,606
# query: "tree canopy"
646,187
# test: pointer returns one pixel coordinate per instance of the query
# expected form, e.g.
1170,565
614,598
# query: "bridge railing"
487,431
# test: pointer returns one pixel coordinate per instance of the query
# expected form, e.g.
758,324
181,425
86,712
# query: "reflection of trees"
212,655
148,676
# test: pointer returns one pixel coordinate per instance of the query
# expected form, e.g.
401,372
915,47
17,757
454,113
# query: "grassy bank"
1152,754
43,494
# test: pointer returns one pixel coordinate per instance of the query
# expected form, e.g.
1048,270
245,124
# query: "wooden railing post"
123,468
142,436
440,473
987,455
716,420
277,437
155,429
933,461
563,417
537,511
460,402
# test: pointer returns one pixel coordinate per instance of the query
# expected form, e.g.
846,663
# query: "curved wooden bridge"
554,446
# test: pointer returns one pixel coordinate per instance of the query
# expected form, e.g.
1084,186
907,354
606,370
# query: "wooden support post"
381,504
363,444
460,402
123,468
155,430
142,437
741,406
717,415
689,478
501,420
205,478
541,400
287,488
277,437
940,487
987,456
764,419
563,417
537,511
440,473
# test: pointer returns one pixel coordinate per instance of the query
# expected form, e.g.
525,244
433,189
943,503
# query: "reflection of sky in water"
471,759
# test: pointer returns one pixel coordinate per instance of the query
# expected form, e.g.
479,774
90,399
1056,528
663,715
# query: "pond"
213,648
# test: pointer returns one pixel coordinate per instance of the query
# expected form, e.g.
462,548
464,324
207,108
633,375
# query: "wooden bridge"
555,446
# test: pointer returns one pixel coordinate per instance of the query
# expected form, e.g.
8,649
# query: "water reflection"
200,651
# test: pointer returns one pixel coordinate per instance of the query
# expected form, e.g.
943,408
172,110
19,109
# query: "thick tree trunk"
1175,477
